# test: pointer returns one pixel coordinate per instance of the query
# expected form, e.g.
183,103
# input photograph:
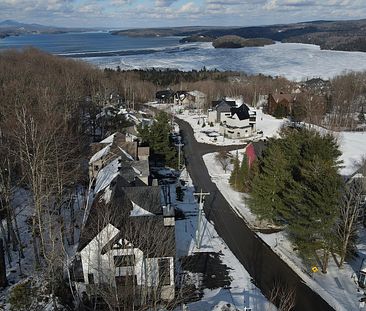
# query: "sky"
119,14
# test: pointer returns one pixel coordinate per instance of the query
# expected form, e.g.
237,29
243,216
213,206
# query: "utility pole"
201,201
180,152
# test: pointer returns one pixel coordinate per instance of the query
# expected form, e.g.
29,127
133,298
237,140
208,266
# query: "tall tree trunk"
325,260
3,279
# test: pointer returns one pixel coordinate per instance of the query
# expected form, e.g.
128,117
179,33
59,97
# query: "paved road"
259,260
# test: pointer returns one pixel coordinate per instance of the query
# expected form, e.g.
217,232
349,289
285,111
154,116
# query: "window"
124,261
164,271
96,167
90,278
126,280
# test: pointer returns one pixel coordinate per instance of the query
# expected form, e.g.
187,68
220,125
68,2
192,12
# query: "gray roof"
117,210
223,105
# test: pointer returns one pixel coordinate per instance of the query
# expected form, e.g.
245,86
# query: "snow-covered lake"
291,60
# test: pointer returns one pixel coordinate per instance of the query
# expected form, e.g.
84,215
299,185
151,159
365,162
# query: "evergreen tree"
298,185
268,186
234,177
158,137
361,116
311,207
243,175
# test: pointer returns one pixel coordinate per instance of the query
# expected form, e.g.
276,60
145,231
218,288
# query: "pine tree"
243,175
234,177
298,184
268,186
312,207
157,136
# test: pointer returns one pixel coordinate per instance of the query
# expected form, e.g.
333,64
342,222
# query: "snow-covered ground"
210,134
242,292
23,269
337,287
353,147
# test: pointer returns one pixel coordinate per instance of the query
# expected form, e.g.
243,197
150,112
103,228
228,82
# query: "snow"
351,144
241,287
108,140
23,206
210,134
221,179
291,60
353,147
106,175
139,211
100,154
126,154
107,195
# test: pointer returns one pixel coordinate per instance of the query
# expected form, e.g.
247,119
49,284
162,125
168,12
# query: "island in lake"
234,42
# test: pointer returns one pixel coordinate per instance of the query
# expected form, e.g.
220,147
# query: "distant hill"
332,35
15,28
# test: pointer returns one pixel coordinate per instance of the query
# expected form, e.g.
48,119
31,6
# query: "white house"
235,122
219,110
127,245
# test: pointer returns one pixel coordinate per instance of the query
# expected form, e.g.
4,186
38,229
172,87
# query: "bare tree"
224,158
350,205
283,296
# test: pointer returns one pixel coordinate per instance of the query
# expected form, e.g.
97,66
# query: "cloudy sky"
153,13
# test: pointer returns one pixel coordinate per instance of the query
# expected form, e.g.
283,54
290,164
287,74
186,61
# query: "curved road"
259,260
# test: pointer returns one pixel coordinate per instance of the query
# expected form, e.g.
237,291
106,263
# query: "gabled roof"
242,112
101,153
148,234
116,210
164,94
223,105
112,138
279,97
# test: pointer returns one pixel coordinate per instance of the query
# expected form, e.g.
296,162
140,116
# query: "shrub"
21,296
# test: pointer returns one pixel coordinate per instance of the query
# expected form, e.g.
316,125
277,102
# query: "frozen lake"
291,60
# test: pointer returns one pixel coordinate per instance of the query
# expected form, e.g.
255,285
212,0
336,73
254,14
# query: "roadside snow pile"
241,293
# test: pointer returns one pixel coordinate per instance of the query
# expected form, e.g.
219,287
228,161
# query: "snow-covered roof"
101,153
138,211
106,175
197,93
109,139
128,156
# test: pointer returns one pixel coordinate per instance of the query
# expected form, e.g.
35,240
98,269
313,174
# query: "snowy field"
242,292
294,61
